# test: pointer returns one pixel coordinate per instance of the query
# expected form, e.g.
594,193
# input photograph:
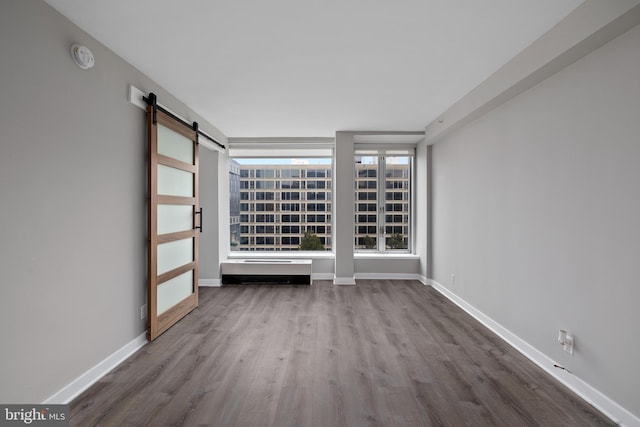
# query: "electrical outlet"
568,344
143,311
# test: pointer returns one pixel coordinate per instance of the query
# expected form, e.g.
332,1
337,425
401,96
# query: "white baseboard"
424,280
344,280
84,381
388,276
209,283
604,404
322,276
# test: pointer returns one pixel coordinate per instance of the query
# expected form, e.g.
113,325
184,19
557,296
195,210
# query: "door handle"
199,212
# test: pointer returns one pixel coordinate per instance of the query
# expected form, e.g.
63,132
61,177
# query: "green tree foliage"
311,242
369,242
396,242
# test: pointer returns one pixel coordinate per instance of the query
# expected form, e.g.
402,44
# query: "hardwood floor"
382,353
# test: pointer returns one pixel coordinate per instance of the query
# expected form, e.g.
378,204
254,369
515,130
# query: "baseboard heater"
266,271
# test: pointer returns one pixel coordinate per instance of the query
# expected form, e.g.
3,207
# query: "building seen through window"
383,203
280,204
286,204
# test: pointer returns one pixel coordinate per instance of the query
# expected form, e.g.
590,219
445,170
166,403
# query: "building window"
265,184
290,207
290,195
312,195
383,203
264,218
278,195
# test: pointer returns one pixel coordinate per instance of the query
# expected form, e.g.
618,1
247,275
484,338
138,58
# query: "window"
311,195
315,207
262,240
291,218
383,202
318,229
265,184
318,173
366,195
366,184
316,218
280,199
315,184
290,229
291,241
289,184
265,173
290,173
269,207
264,195
264,218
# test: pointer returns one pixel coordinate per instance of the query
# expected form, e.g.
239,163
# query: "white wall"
349,265
422,207
386,266
536,210
73,210
209,251
224,241
343,198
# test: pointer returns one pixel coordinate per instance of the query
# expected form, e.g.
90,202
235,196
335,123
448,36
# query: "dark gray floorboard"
382,353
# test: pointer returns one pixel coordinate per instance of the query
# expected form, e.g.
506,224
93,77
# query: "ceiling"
309,68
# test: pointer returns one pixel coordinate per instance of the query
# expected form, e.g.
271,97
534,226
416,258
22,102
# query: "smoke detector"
82,56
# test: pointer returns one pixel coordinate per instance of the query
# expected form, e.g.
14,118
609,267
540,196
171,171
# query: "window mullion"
382,170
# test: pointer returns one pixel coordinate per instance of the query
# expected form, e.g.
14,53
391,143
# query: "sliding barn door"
173,221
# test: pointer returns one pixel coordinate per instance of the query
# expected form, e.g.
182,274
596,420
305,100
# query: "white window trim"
281,255
381,151
276,148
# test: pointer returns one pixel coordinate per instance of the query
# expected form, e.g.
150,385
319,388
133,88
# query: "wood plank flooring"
382,353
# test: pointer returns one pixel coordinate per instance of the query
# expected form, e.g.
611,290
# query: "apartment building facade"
279,203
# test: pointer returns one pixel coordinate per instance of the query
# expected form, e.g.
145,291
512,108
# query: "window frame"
296,195
381,203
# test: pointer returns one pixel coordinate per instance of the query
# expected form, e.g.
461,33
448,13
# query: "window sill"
387,255
316,255
281,255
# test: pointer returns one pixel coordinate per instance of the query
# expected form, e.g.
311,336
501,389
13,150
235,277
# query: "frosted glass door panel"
174,182
174,254
173,291
174,145
173,218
